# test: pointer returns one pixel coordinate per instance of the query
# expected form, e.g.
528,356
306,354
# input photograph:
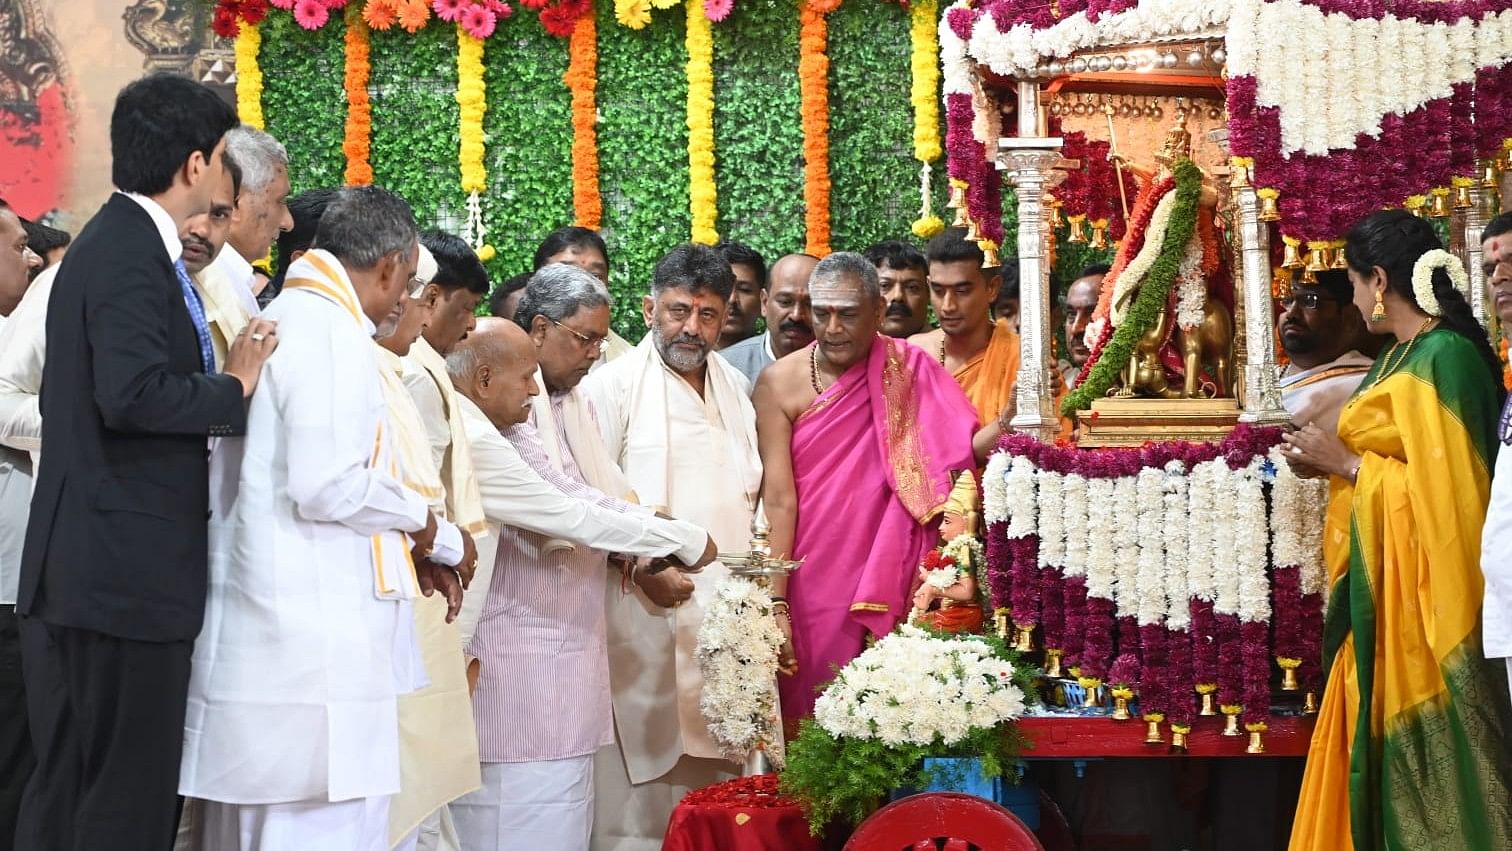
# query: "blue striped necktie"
197,315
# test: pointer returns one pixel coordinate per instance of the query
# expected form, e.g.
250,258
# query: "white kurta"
696,458
1496,561
308,636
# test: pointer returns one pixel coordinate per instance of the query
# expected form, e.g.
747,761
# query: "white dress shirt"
238,270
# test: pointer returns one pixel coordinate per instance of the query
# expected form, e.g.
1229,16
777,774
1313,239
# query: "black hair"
952,246
740,253
41,239
1394,240
1499,225
562,239
1336,283
457,264
896,254
1094,269
695,267
157,123
503,291
305,209
1008,278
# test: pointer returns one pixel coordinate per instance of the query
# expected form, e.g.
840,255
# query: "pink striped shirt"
543,689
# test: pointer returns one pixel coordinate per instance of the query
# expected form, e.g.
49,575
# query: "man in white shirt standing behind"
678,421
262,211
292,734
16,262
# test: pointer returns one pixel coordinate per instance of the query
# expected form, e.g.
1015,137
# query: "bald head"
786,305
495,367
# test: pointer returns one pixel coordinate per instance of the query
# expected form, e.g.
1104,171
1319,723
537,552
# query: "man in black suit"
113,573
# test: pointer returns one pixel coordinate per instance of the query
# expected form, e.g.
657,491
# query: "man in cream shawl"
318,550
671,391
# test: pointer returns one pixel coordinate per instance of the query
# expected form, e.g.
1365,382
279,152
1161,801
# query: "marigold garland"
924,63
359,118
582,80
813,88
702,193
1506,364
249,78
472,100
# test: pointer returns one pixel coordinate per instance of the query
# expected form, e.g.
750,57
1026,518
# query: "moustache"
689,340
899,310
793,326
204,244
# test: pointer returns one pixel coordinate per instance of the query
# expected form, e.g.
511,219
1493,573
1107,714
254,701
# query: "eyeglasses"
1309,300
416,287
587,342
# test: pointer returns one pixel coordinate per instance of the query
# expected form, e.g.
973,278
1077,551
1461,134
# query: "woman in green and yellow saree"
1410,750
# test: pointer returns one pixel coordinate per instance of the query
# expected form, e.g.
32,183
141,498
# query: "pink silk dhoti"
873,459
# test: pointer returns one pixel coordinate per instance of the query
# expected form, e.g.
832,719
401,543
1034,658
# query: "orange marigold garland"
359,119
582,80
813,88
1506,365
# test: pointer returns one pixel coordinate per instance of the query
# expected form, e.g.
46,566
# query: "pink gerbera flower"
450,10
500,8
285,5
311,14
718,10
478,21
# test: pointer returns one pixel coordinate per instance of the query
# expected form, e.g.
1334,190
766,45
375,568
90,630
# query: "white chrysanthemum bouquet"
738,645
914,694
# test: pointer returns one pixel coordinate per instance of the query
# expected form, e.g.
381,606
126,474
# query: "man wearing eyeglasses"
1496,535
1322,333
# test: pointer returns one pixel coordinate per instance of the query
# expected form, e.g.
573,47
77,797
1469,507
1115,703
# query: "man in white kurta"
292,736
1496,537
542,698
1320,328
678,420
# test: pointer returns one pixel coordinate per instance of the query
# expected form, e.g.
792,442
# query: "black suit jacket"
117,539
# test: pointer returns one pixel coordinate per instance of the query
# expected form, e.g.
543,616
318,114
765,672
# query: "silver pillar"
1262,397
1474,221
1029,163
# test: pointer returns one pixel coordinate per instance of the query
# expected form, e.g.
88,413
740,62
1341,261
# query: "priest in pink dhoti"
861,440
677,419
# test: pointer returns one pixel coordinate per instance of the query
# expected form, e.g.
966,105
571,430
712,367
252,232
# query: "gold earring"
1379,313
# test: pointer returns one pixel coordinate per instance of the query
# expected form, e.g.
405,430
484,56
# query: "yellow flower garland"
249,79
924,35
702,194
472,100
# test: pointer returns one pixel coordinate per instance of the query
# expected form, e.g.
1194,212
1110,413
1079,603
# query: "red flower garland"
1000,564
1025,593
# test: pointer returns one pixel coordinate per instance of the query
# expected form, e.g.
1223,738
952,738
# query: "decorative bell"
1462,197
1078,234
1023,638
1099,238
1310,704
1231,724
957,197
1152,731
1053,663
1309,276
1178,738
1256,743
990,258
1490,175
1239,176
1439,207
961,218
1317,261
1056,220
1291,256
973,233
1270,208
1338,258
1209,705
1121,709
1289,678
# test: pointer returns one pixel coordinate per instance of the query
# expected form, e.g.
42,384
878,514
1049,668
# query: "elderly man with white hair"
262,211
319,547
542,701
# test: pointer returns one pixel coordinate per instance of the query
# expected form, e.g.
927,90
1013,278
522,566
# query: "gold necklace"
1387,367
814,369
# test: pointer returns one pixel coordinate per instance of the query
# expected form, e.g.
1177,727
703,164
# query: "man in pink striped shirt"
542,703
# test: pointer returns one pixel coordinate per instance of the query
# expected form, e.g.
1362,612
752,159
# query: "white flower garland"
1422,279
914,688
966,550
1094,332
1101,516
1225,564
1052,519
737,650
1252,581
1019,498
955,68
1125,535
1076,499
1202,502
943,577
1312,506
1286,512
1191,287
995,488
1134,273
1178,610
1149,584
